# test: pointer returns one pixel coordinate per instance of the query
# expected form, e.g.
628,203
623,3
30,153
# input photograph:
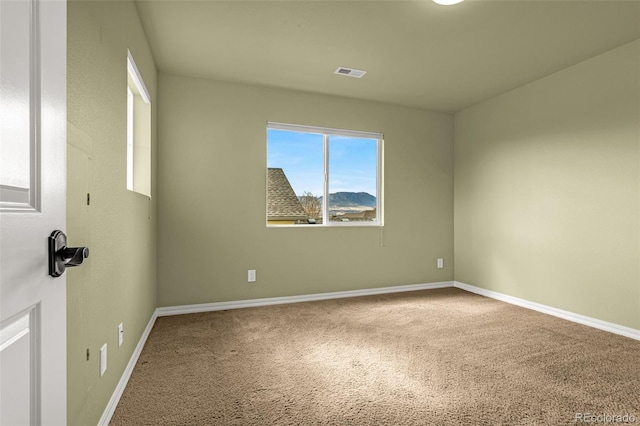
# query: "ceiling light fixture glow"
448,2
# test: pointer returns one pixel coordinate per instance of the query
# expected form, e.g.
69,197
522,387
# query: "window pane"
129,139
295,179
352,179
138,131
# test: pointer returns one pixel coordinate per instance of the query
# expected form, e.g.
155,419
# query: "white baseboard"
219,306
122,384
570,316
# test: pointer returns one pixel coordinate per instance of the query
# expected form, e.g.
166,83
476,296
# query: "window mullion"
325,195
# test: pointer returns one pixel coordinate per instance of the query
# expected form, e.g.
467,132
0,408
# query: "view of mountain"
351,200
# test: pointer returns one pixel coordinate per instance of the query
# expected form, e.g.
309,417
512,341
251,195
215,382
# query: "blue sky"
352,161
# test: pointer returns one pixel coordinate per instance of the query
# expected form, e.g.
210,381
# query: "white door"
32,205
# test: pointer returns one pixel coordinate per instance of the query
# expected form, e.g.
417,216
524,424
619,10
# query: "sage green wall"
212,197
547,190
118,281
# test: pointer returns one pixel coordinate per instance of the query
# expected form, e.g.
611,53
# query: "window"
319,176
138,131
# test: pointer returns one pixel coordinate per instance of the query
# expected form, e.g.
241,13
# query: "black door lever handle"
61,256
74,256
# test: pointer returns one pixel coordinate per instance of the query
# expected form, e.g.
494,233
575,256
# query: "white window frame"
132,68
141,90
327,132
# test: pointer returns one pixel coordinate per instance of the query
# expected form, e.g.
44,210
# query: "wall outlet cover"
120,334
103,359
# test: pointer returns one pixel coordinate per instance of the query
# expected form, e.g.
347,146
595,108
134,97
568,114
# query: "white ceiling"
416,53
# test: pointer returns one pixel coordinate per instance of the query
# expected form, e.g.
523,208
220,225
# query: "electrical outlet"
120,334
251,275
103,359
440,263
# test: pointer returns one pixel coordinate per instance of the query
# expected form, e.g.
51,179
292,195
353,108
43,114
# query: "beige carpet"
436,357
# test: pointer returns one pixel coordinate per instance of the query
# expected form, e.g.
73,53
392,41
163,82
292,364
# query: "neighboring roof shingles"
282,201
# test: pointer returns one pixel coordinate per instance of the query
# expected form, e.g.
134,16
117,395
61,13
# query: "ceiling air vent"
350,72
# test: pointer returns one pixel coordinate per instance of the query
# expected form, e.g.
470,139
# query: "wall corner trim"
569,316
219,306
122,384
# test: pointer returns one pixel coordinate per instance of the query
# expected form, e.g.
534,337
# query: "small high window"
138,131
319,176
